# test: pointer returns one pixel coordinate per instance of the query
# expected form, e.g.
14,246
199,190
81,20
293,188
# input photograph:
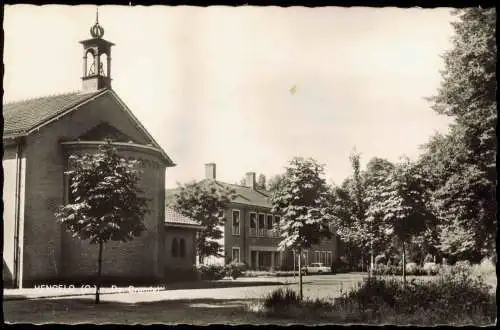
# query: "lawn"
195,311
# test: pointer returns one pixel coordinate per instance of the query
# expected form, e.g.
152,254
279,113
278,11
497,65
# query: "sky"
215,84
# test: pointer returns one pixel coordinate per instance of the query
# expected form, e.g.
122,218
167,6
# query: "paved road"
324,286
320,286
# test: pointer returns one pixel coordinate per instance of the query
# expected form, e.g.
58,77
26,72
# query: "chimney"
210,171
250,180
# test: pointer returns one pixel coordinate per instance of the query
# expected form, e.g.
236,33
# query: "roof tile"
244,195
174,217
21,116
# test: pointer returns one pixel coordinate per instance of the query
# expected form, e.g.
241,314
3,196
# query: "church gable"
105,131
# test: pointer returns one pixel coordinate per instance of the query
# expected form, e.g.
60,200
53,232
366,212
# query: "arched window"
103,70
174,247
90,63
182,248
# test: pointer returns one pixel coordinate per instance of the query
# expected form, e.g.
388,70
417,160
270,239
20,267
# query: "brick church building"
39,135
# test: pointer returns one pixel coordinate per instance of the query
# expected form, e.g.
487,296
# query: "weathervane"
96,30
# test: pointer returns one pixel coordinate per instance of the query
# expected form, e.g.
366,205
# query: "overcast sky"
213,84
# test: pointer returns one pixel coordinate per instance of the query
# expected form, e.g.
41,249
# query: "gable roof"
244,195
247,195
23,117
20,117
174,218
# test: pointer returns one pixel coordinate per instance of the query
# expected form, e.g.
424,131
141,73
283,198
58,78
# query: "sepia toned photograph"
249,165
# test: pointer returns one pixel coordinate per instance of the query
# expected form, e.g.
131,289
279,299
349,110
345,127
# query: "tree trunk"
404,264
371,258
99,269
371,264
300,275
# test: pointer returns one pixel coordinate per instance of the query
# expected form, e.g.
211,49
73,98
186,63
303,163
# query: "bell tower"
96,59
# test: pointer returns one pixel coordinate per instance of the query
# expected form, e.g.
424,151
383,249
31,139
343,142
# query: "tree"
375,177
261,182
106,201
465,192
274,182
361,233
205,202
349,207
402,206
302,201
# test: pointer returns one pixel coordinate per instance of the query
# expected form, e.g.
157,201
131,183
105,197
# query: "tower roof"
97,32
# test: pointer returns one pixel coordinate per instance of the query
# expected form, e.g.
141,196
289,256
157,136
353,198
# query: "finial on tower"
96,30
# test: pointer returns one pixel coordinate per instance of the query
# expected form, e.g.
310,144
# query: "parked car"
316,268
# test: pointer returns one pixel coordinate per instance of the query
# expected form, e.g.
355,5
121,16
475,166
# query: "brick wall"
189,258
136,258
9,163
44,239
244,241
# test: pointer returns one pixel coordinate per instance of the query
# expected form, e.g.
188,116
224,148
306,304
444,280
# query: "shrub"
463,263
455,298
281,299
487,271
431,268
411,268
235,269
211,272
380,259
443,299
428,258
340,266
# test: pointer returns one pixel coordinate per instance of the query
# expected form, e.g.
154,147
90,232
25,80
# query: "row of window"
260,224
325,257
178,248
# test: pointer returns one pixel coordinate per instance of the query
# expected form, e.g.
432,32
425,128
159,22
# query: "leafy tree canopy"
462,164
302,201
107,201
205,202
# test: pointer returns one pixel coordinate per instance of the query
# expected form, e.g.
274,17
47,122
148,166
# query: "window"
236,254
174,248
262,224
182,248
236,222
269,222
253,224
